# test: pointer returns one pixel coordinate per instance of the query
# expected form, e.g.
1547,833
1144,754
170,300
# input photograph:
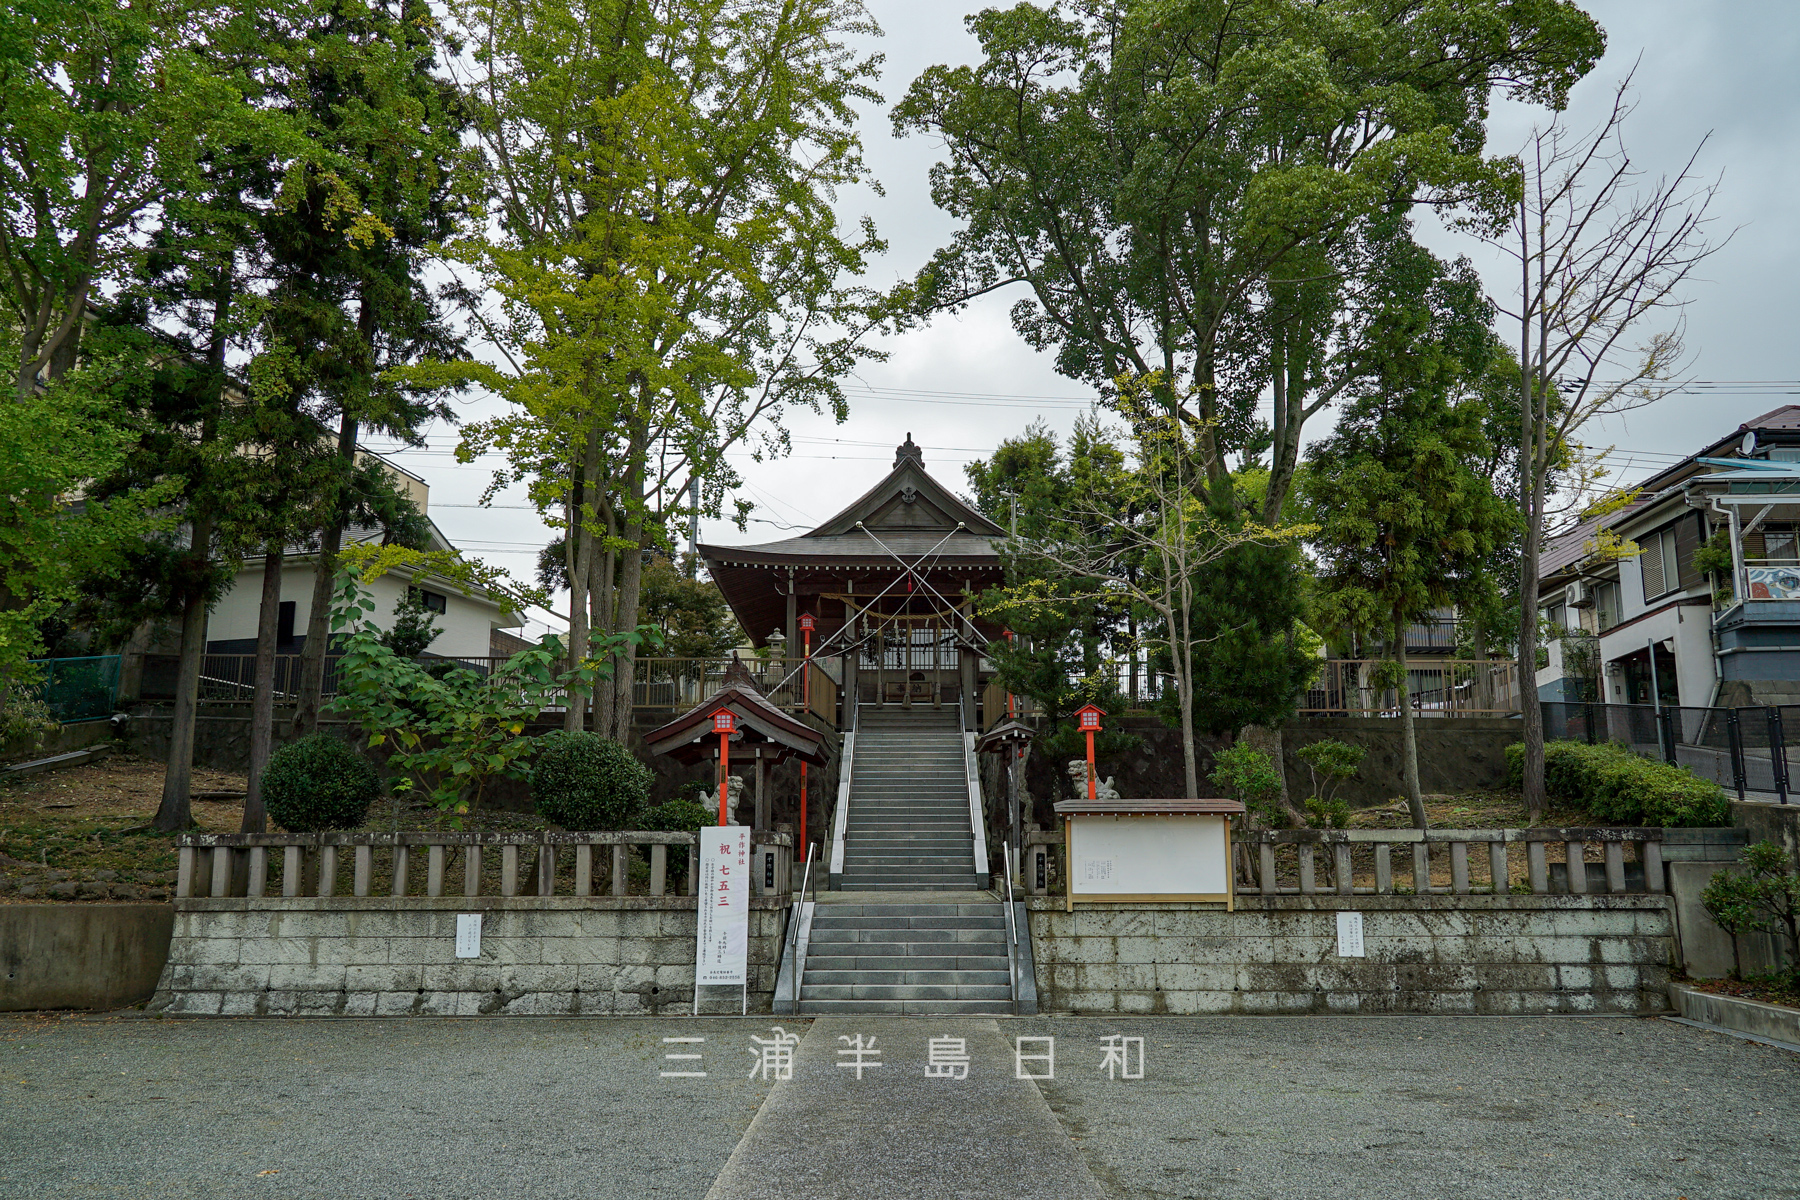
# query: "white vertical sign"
723,941
468,935
1350,937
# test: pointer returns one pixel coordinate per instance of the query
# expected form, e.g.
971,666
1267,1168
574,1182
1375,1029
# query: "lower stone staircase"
947,958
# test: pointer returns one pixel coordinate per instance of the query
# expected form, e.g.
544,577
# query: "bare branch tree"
1601,254
1149,550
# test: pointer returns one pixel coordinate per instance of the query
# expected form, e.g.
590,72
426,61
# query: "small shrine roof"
689,737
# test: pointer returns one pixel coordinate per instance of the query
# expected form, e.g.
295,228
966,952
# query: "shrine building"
890,584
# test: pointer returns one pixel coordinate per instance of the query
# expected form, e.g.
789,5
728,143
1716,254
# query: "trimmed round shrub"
318,783
585,782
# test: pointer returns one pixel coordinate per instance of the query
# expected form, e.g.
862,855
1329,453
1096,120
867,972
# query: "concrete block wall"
1437,954
380,956
80,955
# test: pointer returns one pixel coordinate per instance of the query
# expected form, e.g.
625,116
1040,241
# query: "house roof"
1781,425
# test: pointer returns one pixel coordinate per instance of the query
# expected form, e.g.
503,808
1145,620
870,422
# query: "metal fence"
1435,688
1742,749
79,689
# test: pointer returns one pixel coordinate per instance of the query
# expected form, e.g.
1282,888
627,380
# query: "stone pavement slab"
1429,1108
897,1134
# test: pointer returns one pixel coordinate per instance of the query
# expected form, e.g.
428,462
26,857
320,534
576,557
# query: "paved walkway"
1305,1108
898,1133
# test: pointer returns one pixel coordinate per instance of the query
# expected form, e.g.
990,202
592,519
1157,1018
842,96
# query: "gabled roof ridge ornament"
906,450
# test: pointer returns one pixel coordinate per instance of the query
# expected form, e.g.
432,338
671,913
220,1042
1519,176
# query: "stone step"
904,962
907,991
921,908
865,941
943,1008
908,977
898,883
822,920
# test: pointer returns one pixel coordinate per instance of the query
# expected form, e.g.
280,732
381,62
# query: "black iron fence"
78,689
1742,749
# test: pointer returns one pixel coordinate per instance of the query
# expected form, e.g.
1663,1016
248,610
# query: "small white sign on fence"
1350,935
722,941
468,935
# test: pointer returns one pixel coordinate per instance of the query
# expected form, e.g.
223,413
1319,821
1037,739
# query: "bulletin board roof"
1148,808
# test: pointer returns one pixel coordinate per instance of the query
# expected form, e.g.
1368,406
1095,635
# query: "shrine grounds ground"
1420,1107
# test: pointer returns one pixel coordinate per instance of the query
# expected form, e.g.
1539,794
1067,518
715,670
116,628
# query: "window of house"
435,602
1555,615
1606,604
1659,563
284,622
1779,546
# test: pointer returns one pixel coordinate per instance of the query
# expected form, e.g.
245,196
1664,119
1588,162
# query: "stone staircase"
908,830
909,824
907,958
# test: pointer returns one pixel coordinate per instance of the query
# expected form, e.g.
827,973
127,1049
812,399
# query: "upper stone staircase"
909,826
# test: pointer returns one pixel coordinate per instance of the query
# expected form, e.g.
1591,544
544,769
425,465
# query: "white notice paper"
1096,870
468,935
723,939
1350,942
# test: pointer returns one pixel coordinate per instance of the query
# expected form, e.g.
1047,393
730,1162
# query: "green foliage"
1249,776
1614,784
1329,762
585,782
318,783
1581,662
691,613
1175,183
414,628
448,735
681,815
1765,897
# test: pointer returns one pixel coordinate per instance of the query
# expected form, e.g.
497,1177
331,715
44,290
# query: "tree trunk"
310,693
262,701
1530,493
601,597
631,578
574,712
1409,745
174,813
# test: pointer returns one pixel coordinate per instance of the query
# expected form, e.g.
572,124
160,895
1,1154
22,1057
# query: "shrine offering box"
1136,851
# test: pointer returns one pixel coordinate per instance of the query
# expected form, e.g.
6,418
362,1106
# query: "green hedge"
318,783
586,782
1616,785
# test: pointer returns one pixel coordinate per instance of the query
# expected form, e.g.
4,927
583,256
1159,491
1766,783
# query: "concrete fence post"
434,871
1384,868
1421,869
1497,868
659,868
293,869
400,866
1459,868
1537,864
584,870
472,870
509,870
1575,856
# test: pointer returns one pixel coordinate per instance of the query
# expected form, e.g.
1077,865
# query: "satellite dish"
1747,447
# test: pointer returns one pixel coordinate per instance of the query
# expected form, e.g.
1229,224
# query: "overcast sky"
966,382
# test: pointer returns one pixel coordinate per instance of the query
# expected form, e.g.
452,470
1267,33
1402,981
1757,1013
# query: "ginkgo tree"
654,257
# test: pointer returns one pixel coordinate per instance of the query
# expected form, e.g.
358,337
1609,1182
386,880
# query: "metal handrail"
796,915
1012,933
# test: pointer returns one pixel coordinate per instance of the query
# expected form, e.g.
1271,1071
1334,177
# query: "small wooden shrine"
890,582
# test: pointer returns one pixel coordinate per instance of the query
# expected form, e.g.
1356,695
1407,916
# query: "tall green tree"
1174,184
1405,521
655,217
350,247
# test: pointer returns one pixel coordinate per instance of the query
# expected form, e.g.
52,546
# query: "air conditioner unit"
1580,594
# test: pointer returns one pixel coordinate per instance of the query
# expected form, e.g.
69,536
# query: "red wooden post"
1012,702
724,724
806,631
1090,725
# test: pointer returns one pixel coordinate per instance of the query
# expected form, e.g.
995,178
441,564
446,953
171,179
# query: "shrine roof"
908,512
689,738
1148,808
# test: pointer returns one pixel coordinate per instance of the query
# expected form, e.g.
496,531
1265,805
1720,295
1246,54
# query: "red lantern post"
1089,718
1012,701
725,724
807,623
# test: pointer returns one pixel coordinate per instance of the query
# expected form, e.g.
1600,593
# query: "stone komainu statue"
1103,789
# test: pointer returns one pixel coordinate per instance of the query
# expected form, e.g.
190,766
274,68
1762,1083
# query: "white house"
1661,631
467,621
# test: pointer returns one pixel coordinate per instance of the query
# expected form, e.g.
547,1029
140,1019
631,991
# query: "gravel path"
1556,1108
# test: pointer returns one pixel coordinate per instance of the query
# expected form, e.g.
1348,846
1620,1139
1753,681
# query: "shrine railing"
1458,862
631,863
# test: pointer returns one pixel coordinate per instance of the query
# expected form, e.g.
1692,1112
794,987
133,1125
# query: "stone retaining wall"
80,955
1437,954
381,956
